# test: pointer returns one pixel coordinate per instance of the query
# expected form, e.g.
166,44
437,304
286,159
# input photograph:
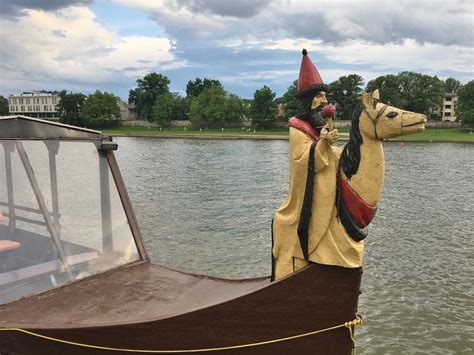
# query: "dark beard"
314,118
317,120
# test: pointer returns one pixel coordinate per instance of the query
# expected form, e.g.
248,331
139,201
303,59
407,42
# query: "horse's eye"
392,114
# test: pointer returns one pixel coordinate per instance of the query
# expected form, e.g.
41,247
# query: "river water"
206,206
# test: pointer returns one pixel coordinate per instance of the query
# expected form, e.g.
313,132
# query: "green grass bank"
429,135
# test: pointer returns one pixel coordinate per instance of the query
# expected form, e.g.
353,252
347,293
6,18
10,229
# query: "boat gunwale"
258,289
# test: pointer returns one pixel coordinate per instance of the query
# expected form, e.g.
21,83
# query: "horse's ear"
366,99
376,94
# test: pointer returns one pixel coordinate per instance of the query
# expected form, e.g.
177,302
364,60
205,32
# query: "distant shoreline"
203,136
447,135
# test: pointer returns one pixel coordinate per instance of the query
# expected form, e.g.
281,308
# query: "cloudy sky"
84,45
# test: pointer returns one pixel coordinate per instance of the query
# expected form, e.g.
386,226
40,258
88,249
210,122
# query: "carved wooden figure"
347,187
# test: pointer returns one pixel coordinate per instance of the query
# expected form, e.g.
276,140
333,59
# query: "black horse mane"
350,156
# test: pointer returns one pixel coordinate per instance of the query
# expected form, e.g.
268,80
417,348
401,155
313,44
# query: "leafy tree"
214,107
195,88
289,100
4,111
389,88
421,92
99,109
345,93
466,104
143,97
467,118
181,111
207,110
410,91
234,109
451,85
70,108
167,107
163,109
262,109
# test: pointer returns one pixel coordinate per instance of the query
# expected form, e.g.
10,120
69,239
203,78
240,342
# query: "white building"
41,104
448,107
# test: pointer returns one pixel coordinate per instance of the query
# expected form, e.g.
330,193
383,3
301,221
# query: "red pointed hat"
309,81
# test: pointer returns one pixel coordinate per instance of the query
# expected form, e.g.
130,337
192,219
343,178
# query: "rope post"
350,325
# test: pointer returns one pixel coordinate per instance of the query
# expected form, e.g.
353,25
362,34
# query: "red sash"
304,127
361,212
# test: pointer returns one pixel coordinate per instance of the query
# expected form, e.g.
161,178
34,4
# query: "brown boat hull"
315,298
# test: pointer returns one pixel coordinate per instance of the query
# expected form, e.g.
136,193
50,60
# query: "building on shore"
446,111
448,107
39,104
127,112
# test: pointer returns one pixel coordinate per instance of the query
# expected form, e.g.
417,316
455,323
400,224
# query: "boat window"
61,217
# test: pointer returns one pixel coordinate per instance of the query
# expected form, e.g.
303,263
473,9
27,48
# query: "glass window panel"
62,217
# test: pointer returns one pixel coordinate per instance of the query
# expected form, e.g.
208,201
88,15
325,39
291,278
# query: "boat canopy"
24,127
64,210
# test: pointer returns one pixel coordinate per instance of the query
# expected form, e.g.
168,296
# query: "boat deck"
128,295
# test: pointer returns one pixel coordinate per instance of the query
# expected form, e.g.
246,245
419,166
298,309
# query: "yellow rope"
348,325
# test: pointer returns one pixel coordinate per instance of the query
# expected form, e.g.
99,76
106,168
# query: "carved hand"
331,136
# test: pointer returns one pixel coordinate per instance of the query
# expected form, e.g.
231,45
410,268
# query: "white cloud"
258,76
137,55
429,36
372,59
38,50
69,46
293,44
210,8
170,13
149,5
381,21
408,54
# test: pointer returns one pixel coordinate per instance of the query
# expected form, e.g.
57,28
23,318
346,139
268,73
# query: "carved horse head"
373,120
381,121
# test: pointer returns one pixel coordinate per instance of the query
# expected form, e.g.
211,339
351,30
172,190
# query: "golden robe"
328,242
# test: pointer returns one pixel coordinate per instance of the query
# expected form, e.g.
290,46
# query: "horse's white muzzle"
413,123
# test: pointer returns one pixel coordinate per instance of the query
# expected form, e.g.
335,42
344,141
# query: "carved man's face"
319,100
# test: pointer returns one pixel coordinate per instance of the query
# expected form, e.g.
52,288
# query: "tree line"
208,105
